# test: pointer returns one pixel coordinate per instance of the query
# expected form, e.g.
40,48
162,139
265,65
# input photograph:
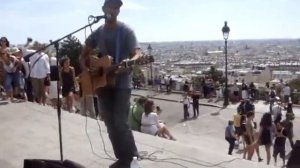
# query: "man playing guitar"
116,39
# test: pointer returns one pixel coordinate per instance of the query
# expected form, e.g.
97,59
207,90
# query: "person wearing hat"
117,40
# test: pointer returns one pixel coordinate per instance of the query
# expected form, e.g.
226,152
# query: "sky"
154,20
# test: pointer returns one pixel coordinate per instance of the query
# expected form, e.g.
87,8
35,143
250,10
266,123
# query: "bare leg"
70,101
258,153
250,151
9,95
257,148
268,150
291,141
246,149
165,132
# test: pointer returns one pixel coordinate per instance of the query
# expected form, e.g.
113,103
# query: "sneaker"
172,138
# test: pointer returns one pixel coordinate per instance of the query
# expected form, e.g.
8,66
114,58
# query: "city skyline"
155,21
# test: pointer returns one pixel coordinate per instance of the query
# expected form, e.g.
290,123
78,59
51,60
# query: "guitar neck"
117,66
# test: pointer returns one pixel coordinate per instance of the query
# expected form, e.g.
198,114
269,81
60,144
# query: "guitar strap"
31,67
118,44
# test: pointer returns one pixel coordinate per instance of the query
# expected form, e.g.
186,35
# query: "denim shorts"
12,80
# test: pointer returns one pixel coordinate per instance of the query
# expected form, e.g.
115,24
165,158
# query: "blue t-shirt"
120,41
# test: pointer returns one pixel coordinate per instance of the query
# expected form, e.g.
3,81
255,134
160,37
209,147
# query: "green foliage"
215,74
295,84
71,47
197,82
138,73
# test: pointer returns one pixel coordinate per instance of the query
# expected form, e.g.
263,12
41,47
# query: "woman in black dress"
266,133
67,77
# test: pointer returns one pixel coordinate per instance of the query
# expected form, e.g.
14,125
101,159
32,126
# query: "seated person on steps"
135,113
151,125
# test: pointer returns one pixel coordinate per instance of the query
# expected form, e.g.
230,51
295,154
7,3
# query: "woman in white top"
10,66
150,123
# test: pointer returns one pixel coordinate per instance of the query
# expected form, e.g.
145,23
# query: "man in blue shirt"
116,39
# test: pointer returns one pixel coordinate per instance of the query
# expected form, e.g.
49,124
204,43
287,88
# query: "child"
186,105
279,145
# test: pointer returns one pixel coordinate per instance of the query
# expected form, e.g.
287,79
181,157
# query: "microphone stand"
56,45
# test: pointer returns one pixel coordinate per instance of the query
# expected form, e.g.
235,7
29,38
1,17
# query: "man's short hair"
113,1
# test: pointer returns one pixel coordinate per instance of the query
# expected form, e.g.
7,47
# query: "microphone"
106,16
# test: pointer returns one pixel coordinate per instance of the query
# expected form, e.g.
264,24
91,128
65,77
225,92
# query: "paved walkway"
260,106
174,97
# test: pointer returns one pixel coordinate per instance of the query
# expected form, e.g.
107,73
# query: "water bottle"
134,163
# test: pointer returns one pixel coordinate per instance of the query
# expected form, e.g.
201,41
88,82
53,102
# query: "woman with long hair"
266,133
150,122
67,81
4,43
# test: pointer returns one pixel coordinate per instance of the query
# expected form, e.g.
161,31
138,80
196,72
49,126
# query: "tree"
71,47
295,84
215,74
138,74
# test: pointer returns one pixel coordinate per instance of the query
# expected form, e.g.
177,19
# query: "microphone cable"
109,157
91,19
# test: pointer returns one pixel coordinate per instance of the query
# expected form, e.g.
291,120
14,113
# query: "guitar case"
39,163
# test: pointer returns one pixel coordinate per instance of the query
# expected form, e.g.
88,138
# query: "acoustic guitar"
102,72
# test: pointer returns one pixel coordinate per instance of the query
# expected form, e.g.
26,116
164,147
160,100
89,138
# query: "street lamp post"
151,69
226,31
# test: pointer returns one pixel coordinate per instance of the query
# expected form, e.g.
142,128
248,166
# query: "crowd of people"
272,130
28,75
